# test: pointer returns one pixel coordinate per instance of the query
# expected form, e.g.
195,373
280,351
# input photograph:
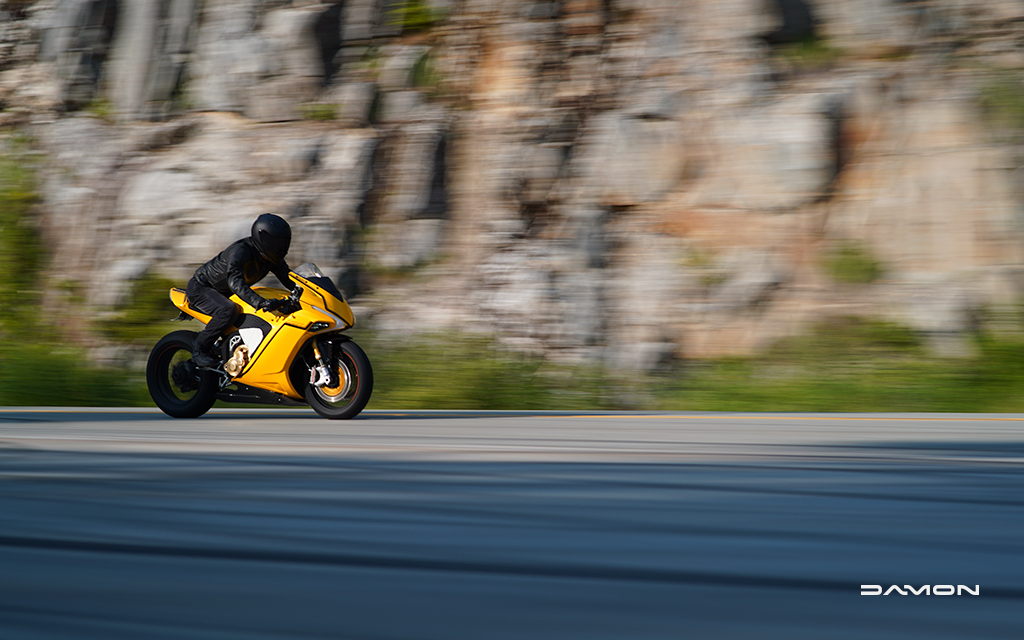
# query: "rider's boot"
204,359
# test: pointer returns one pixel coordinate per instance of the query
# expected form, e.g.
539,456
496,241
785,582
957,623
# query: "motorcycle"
294,356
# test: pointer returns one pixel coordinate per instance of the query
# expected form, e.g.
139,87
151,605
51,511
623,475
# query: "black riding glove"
271,306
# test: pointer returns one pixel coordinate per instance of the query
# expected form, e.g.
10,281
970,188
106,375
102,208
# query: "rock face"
628,181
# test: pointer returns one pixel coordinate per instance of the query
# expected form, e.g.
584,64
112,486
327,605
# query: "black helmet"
272,237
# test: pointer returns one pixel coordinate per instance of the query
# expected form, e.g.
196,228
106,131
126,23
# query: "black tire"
355,384
176,386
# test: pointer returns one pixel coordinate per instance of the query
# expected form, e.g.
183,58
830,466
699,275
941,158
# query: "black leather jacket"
238,267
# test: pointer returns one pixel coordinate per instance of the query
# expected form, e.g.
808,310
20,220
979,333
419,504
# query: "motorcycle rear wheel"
355,384
176,386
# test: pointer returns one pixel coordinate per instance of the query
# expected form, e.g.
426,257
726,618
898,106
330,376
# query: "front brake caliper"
320,375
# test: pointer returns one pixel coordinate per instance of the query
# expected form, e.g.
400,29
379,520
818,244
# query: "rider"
234,270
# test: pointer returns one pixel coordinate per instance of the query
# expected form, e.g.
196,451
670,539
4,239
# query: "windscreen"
311,272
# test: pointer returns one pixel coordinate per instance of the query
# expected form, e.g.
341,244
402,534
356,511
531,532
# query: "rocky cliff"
626,180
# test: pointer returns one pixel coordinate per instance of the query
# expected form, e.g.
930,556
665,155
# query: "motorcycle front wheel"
355,384
175,384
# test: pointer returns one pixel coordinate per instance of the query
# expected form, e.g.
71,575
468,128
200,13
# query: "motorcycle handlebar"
292,301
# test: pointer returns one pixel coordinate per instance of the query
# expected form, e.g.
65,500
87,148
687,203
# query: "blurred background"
607,204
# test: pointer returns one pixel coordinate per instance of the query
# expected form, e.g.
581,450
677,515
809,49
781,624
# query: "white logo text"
925,590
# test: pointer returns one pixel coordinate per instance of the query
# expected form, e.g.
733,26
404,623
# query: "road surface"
277,524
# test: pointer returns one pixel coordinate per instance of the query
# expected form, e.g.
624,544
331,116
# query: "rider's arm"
237,257
281,270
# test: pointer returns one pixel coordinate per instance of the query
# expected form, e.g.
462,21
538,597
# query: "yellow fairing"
268,365
179,300
317,297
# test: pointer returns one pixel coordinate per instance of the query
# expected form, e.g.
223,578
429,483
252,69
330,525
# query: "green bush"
145,316
852,263
21,248
425,75
414,15
460,371
854,365
319,111
1001,98
50,374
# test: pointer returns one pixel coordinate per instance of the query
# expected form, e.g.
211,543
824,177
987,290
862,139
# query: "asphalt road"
125,524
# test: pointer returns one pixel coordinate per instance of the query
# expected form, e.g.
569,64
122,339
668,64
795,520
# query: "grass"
48,373
458,371
855,365
846,364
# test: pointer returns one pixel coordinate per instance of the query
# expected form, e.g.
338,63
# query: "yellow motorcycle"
294,356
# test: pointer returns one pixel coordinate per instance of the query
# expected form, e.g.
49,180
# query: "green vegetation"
812,54
36,366
453,371
845,364
855,365
425,75
852,263
1002,101
371,61
101,108
181,97
47,373
319,111
704,263
143,319
21,248
414,15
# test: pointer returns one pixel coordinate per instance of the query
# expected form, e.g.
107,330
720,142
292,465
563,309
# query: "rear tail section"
180,300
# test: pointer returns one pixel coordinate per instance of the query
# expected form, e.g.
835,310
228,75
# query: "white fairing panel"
251,337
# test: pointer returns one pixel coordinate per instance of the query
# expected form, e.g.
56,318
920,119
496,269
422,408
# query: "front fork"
321,375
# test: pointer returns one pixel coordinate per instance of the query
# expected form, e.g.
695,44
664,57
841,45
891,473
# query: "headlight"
319,326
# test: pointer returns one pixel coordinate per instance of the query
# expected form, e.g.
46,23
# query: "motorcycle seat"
180,299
